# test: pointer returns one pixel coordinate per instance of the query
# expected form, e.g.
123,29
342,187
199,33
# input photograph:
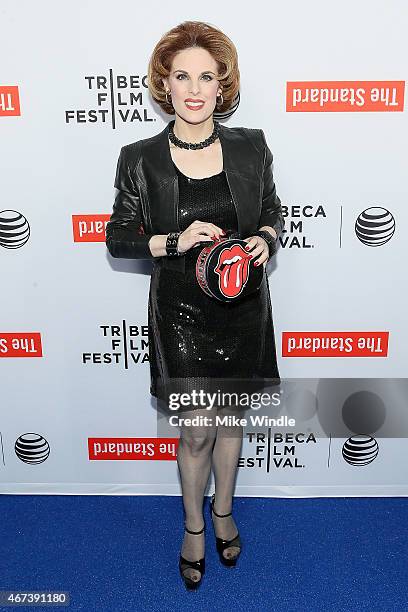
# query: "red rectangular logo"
132,449
335,344
89,228
9,101
344,96
20,344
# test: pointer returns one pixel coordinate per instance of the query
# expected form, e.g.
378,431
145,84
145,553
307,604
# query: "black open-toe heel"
222,545
197,565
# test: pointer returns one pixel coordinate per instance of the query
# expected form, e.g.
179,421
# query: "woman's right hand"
198,231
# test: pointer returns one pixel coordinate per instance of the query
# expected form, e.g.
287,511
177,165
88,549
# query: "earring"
167,100
222,101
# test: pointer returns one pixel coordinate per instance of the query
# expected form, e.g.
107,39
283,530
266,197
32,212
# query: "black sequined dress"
195,339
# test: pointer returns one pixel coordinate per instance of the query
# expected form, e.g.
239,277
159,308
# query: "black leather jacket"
146,201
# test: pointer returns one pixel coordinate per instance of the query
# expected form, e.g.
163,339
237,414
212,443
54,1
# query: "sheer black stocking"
226,453
194,462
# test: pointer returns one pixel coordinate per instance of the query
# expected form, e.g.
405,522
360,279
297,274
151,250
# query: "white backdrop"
76,414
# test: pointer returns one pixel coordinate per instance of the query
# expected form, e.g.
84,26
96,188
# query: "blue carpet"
120,553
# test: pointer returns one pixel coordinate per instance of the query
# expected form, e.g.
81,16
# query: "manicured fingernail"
247,248
256,263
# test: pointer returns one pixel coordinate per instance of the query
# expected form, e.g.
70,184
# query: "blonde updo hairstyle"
184,36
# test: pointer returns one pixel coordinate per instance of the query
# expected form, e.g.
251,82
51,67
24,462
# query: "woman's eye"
205,75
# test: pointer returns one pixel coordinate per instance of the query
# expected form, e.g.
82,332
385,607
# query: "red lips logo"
232,270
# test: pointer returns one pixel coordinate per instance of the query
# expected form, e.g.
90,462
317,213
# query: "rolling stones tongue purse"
225,270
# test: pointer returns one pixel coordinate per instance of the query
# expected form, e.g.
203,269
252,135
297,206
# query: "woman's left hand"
258,246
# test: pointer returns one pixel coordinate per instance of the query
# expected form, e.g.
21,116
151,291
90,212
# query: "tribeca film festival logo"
293,236
279,450
128,344
287,451
119,98
116,98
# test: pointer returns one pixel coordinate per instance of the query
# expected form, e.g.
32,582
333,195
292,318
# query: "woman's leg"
226,453
194,462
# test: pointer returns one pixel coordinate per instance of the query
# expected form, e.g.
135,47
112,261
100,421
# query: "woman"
192,183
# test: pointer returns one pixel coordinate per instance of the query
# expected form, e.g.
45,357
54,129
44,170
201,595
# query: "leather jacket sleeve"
271,212
125,232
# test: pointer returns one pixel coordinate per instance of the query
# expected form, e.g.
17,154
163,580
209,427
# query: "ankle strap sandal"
222,545
198,565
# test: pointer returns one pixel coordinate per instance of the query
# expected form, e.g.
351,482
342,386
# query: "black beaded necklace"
194,145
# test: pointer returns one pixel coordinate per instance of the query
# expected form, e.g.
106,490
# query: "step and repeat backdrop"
328,89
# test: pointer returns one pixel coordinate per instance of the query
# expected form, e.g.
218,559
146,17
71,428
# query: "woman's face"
193,78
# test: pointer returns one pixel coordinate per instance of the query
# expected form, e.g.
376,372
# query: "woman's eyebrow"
185,71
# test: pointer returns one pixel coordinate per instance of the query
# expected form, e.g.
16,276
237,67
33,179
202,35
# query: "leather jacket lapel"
243,168
242,165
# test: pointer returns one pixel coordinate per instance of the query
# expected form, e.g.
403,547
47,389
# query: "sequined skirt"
198,342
